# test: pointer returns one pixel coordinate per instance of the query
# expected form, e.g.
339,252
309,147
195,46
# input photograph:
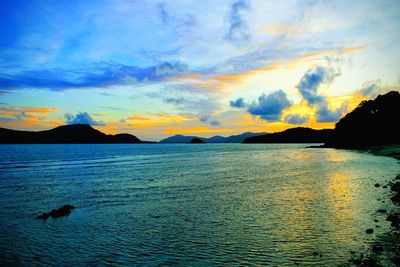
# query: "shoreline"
392,151
379,254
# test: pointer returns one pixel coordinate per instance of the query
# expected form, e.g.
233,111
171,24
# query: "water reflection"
189,205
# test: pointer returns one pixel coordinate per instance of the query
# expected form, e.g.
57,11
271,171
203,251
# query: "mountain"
67,134
179,139
233,138
215,139
373,122
293,135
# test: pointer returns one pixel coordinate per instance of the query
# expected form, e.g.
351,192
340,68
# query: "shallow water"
178,204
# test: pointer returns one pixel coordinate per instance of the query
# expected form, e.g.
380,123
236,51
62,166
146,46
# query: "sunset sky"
159,68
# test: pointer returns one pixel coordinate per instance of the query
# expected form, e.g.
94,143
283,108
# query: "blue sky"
157,68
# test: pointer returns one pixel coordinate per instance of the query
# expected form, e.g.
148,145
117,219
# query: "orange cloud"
21,117
215,82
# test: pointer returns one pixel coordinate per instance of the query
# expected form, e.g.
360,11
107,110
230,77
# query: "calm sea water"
208,204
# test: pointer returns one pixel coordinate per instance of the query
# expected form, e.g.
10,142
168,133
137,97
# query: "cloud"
238,28
308,88
238,103
296,119
204,118
371,89
324,114
23,116
82,118
270,107
98,75
163,14
312,80
174,100
214,122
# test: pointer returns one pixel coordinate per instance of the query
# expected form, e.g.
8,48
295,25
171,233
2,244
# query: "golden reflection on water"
340,188
316,202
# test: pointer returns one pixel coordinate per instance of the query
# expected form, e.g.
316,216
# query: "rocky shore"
385,251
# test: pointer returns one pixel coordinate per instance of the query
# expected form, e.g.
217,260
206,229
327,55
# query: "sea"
190,204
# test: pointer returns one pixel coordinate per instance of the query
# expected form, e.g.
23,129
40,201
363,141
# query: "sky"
205,68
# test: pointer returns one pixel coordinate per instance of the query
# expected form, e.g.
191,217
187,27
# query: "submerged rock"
395,220
369,231
396,187
60,212
377,185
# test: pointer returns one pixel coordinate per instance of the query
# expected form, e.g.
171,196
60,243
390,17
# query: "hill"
179,139
373,122
215,139
293,135
67,134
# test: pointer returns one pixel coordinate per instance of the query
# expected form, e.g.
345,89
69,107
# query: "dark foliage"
373,122
294,135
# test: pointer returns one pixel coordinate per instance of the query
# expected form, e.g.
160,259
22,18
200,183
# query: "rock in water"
63,211
369,231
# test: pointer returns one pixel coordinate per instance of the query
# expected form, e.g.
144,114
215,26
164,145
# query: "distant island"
67,134
215,139
196,141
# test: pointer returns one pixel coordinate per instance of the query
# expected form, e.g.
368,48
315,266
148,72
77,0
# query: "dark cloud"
312,80
82,118
163,14
214,122
371,89
238,28
296,119
270,107
238,103
99,75
204,118
308,88
174,100
324,114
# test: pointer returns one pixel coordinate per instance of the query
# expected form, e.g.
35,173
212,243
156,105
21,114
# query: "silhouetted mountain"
196,141
215,139
293,135
233,138
373,122
179,139
67,134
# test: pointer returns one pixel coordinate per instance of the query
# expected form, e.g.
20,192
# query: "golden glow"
221,82
20,117
194,130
